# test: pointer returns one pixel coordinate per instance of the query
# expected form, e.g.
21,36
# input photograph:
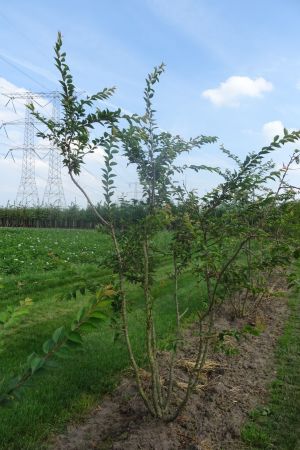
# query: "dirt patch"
213,419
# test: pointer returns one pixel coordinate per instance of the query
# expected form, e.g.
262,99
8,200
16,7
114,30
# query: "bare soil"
215,414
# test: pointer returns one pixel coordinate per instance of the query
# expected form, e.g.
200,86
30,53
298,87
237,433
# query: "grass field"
277,424
44,265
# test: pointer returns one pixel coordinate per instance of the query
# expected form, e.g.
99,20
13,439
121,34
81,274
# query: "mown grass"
67,392
277,425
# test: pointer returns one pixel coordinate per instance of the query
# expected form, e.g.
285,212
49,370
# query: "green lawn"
277,425
67,392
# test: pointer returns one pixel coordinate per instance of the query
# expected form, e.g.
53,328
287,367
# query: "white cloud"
6,86
230,92
298,85
272,129
10,110
96,157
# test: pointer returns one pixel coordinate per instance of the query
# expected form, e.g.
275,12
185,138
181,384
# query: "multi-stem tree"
207,235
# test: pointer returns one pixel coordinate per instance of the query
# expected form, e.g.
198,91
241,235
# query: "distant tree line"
124,213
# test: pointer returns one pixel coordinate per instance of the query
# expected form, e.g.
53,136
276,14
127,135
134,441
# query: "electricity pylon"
54,192
27,194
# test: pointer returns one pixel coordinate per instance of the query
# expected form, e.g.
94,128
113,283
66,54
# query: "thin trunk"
170,383
151,342
111,230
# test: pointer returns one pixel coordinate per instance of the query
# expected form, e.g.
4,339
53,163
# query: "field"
45,265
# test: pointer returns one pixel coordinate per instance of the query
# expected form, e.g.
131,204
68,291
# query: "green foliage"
154,152
60,344
72,134
229,346
110,149
12,315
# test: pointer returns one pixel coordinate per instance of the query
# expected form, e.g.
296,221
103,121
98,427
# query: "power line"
17,29
22,71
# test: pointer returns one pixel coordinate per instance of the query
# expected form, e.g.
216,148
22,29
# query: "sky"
232,71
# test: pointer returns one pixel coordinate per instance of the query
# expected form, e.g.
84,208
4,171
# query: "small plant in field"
61,343
12,315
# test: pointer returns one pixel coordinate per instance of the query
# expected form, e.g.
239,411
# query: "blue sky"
233,70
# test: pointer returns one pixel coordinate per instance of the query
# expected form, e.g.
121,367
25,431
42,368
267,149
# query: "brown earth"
215,414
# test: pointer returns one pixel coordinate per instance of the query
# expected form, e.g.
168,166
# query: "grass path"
277,425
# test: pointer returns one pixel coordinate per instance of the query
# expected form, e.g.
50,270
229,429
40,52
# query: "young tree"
209,235
154,154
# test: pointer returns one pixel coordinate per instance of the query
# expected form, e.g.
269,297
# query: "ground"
215,416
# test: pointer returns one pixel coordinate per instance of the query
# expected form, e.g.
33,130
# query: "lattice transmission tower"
54,192
27,194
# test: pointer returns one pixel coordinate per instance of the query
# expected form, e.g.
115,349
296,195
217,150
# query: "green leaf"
98,315
58,334
48,346
86,326
63,353
36,364
95,321
75,337
81,314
